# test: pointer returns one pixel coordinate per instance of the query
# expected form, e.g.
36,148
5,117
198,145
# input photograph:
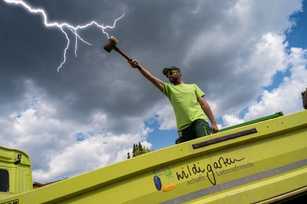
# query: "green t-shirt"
183,98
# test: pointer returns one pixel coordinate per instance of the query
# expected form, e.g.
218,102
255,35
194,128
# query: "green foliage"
137,150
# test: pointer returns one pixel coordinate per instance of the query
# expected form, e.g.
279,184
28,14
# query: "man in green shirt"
191,109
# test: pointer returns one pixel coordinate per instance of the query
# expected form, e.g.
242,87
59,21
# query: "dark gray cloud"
158,33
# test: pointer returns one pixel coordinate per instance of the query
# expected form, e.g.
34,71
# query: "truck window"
4,180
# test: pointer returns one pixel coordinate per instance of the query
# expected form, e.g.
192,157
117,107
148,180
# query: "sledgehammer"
111,45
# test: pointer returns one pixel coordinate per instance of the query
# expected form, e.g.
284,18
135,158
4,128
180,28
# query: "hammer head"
111,44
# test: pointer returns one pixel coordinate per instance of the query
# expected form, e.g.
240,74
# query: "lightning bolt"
65,27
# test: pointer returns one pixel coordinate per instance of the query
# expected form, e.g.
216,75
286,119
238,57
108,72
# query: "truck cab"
15,172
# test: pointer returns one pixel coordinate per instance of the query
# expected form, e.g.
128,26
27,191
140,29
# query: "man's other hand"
214,127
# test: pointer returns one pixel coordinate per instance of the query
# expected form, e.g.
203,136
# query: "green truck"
261,161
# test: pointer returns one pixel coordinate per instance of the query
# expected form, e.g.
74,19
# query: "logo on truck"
168,180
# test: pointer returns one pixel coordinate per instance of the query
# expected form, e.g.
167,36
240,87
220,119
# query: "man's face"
173,75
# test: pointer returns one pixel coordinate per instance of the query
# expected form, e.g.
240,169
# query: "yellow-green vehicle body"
15,172
262,162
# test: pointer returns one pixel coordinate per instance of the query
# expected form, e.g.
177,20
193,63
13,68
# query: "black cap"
167,69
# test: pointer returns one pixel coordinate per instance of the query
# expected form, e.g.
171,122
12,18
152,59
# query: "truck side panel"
243,165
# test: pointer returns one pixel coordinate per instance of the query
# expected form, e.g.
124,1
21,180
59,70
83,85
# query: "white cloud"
268,57
286,97
165,115
229,120
51,140
86,155
265,16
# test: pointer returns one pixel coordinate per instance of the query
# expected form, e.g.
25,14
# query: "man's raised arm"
147,74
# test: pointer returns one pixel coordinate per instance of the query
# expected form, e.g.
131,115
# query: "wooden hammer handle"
122,53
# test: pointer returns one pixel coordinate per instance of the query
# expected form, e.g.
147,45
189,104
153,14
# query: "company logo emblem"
160,187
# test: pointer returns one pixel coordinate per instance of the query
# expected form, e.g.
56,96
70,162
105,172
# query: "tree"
137,150
134,150
140,147
128,155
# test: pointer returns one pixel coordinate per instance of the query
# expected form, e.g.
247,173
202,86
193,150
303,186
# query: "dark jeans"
197,129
